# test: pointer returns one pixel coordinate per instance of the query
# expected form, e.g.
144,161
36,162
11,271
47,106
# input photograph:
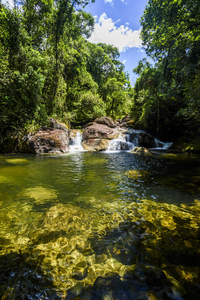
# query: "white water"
120,144
75,144
123,143
116,145
161,145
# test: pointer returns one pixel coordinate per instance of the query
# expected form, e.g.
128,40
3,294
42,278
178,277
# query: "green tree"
116,98
67,27
22,74
108,72
36,16
89,107
170,34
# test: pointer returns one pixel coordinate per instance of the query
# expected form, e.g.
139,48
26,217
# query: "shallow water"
100,226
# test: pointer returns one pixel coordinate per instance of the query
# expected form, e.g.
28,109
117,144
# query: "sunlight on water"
39,194
99,226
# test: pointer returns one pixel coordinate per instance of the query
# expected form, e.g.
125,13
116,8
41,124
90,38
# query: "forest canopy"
49,69
167,93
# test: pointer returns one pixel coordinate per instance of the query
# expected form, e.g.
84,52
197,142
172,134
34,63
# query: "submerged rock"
17,161
40,194
148,248
135,174
140,150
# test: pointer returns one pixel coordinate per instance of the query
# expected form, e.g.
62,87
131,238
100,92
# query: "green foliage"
168,93
21,95
116,98
108,73
36,15
89,107
47,68
22,74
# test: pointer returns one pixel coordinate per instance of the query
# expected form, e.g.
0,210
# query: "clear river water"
112,226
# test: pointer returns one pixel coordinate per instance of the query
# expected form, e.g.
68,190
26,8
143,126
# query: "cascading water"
136,138
120,144
161,145
75,143
126,141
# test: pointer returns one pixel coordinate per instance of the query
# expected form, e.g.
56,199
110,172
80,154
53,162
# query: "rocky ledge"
49,140
97,135
54,139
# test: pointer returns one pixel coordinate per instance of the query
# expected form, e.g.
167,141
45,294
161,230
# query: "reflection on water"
99,226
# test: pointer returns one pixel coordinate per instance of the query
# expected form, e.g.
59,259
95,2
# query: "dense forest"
167,94
49,69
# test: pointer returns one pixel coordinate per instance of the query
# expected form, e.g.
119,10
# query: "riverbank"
96,137
187,144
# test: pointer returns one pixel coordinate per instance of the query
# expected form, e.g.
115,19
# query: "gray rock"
49,140
143,139
99,131
106,121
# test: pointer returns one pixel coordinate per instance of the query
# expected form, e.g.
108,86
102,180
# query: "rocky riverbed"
96,136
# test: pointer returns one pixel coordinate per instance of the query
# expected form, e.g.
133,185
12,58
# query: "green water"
100,226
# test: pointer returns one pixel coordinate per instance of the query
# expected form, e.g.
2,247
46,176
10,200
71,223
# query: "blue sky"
118,24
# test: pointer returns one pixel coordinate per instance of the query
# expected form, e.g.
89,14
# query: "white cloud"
122,37
110,1
7,2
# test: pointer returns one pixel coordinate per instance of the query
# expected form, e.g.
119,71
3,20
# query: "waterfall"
162,145
75,143
120,144
136,138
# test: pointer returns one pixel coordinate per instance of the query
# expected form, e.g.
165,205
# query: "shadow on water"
22,279
150,262
161,269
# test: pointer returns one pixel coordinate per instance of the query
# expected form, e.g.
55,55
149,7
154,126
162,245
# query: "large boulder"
49,140
97,137
53,139
106,121
141,139
95,144
99,131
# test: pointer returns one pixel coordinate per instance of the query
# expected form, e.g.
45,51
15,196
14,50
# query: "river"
100,226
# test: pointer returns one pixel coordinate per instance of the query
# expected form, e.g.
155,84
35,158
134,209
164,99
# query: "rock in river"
140,150
97,136
143,139
49,140
95,144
